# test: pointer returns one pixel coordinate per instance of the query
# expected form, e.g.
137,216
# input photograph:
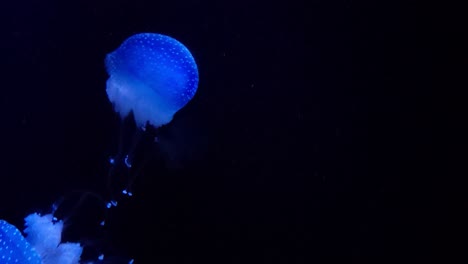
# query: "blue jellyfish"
41,245
152,76
14,248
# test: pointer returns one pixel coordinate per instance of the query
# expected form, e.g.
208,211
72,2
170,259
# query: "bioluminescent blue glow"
41,245
152,75
14,248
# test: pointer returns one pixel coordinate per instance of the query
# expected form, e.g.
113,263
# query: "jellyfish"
41,245
151,76
14,248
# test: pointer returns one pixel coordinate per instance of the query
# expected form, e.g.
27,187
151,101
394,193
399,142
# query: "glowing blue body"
14,248
42,244
152,75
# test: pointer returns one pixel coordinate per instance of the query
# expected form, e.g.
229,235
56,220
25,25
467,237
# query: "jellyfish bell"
151,75
14,248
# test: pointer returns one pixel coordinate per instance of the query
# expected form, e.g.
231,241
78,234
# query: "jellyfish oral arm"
131,95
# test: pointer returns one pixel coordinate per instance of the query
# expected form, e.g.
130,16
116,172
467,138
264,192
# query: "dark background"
295,147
